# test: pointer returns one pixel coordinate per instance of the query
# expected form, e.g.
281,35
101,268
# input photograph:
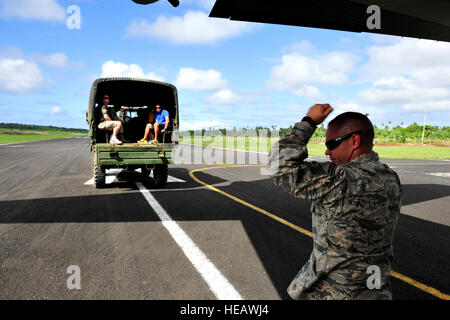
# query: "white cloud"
401,91
309,92
442,105
193,79
298,71
373,112
225,96
57,59
407,57
119,69
198,125
384,38
303,46
19,76
44,10
12,53
408,73
295,108
195,27
57,111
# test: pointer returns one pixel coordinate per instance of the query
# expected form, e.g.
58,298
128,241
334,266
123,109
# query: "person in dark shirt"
109,120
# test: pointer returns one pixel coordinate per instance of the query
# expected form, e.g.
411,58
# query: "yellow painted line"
420,286
418,164
245,203
395,274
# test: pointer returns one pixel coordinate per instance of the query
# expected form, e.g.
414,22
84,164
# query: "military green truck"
134,101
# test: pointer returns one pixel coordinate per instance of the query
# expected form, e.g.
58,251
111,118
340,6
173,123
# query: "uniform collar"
368,157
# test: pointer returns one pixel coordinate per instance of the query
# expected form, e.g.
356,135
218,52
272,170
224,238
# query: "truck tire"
160,175
99,174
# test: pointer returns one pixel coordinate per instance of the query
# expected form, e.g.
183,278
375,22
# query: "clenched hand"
319,112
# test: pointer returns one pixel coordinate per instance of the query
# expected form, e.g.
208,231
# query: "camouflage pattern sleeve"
309,180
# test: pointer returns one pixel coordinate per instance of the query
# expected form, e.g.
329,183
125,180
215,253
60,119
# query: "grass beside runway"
318,149
395,151
35,136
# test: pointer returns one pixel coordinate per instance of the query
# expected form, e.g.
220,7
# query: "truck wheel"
160,175
99,177
99,174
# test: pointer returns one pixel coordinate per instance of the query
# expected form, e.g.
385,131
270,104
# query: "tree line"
399,132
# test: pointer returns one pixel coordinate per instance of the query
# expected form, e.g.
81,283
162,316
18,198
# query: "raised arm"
305,179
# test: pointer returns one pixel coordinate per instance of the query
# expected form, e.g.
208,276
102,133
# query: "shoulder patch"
104,110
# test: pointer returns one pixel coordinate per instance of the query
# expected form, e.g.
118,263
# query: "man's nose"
327,152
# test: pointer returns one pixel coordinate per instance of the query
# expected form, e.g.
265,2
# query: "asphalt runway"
215,231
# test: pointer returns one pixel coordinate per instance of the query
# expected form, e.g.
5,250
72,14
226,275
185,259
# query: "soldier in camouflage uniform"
356,201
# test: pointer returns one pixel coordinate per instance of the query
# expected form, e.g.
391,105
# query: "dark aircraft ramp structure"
426,19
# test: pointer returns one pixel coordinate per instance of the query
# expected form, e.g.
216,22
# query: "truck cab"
134,102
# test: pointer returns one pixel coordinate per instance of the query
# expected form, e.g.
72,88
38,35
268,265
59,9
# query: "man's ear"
356,141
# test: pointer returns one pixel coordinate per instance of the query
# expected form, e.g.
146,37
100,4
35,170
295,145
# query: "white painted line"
440,174
169,178
437,159
111,175
218,284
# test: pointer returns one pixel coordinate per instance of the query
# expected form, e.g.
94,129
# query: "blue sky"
228,74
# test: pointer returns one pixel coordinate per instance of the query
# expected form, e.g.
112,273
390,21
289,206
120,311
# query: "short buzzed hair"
355,121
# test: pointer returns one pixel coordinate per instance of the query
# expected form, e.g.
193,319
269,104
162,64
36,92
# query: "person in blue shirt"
162,123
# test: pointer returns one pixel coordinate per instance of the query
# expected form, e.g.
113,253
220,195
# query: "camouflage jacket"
354,208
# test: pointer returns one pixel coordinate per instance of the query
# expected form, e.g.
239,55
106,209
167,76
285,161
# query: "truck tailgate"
134,154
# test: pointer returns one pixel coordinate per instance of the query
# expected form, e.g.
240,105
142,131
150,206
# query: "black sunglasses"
105,98
334,143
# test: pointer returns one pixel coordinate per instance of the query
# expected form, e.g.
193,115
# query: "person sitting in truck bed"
162,119
110,121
